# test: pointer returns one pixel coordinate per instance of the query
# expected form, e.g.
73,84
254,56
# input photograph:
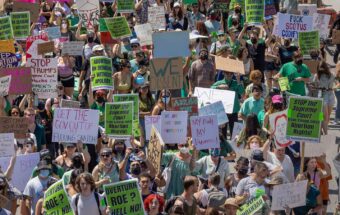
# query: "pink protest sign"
26,1
21,80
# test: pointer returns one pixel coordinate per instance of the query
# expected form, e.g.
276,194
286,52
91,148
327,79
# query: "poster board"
7,144
73,48
7,46
290,25
64,103
154,149
278,124
215,108
21,24
152,121
254,11
144,33
229,65
284,84
4,85
119,119
56,200
101,69
125,6
164,44
53,32
8,60
24,6
189,104
16,125
317,149
6,32
321,23
174,126
88,12
309,41
156,17
251,207
307,9
312,65
44,48
21,80
118,27
204,130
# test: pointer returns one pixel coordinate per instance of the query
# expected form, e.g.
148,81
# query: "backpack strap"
76,202
218,164
96,195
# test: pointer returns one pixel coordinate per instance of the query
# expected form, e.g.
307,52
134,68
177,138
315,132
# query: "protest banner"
164,47
269,8
125,6
18,126
238,126
166,74
44,48
229,65
24,6
21,80
28,1
189,104
154,150
56,200
88,12
124,198
317,149
289,25
64,103
278,124
215,108
44,77
304,119
291,195
208,96
73,48
119,119
156,17
7,145
174,126
284,84
320,23
118,27
53,32
21,24
8,60
251,207
7,46
101,69
309,41
307,9
4,85
71,125
150,121
144,34
312,65
6,32
204,130
254,11
22,170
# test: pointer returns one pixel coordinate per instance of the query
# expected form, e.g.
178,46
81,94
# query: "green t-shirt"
260,117
101,109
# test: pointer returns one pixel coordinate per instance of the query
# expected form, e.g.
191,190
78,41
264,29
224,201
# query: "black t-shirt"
257,54
286,53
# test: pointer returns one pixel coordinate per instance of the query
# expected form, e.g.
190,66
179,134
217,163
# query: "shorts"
328,98
67,82
270,66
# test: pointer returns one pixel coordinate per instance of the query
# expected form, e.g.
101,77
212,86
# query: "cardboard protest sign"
309,41
171,44
336,36
44,48
124,198
269,8
320,23
23,168
289,25
119,119
88,12
6,32
4,85
166,74
215,108
189,104
291,195
7,46
24,6
64,103
32,44
174,126
7,145
73,48
312,65
18,126
53,32
304,119
284,84
156,17
101,68
56,200
125,6
8,60
154,150
278,124
204,130
254,11
208,96
21,80
251,207
144,34
307,9
21,24
229,65
118,27
71,125
152,121
44,76
317,149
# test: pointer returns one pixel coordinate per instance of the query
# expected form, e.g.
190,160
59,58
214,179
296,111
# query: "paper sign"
208,96
229,65
215,108
125,6
317,149
124,198
237,129
21,80
23,168
8,60
174,126
144,34
171,44
307,9
251,207
53,32
6,32
7,145
119,118
304,119
21,24
118,27
73,48
309,41
44,48
289,25
254,11
69,104
291,195
278,124
312,65
24,6
101,69
204,130
320,23
166,74
7,46
189,104
88,12
32,44
156,17
56,200
284,84
152,121
4,85
154,150
220,5
18,126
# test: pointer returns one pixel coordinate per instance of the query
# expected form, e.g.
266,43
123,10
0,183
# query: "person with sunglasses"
14,112
65,160
255,78
194,16
123,80
163,103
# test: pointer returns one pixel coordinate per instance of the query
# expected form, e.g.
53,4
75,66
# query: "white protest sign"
317,149
69,104
73,48
149,122
174,126
238,126
164,47
88,12
208,96
278,124
156,17
44,77
4,85
291,195
214,109
290,25
307,9
23,168
7,145
144,34
204,130
53,32
321,23
71,125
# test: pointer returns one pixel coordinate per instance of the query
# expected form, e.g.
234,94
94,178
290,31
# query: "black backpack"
96,195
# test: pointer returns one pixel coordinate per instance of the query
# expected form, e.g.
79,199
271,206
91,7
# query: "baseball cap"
97,48
100,92
277,99
134,41
231,201
220,33
257,155
215,152
177,4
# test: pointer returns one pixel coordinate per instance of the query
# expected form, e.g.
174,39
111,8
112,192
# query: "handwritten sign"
21,80
88,12
156,17
254,11
309,41
154,150
71,125
4,85
24,6
73,48
7,46
6,32
320,23
164,44
215,108
289,25
125,6
118,27
204,130
278,124
18,126
8,60
101,69
189,104
307,9
53,32
56,200
312,65
229,65
144,34
150,121
44,48
166,74
251,207
7,145
119,118
69,104
284,84
32,44
21,24
174,126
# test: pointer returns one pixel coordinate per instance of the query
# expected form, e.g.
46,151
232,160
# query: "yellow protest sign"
7,46
284,84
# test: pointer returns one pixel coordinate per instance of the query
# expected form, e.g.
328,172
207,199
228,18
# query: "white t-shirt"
87,205
286,164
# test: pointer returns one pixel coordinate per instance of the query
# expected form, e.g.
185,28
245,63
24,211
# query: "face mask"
44,173
203,56
287,43
184,150
243,171
254,146
298,62
90,40
77,164
221,39
166,100
237,11
100,99
64,25
136,170
253,40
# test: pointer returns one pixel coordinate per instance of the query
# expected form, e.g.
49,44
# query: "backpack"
170,203
216,198
96,195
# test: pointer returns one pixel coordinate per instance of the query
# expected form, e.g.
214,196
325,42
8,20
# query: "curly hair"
89,180
148,200
252,138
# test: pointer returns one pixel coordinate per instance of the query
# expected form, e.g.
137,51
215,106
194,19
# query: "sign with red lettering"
204,130
149,122
289,25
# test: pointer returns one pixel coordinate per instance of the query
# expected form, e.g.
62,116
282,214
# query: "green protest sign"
309,41
126,6
237,2
56,200
304,119
251,207
102,25
189,1
221,5
6,32
101,68
119,118
118,27
284,84
254,11
124,198
21,24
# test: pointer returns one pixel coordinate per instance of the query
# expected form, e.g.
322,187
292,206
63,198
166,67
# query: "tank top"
189,210
124,86
247,67
64,70
113,174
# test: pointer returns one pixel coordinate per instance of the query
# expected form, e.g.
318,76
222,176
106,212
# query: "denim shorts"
328,98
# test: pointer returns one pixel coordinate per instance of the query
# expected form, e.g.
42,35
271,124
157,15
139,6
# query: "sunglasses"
70,147
258,78
107,155
15,113
134,46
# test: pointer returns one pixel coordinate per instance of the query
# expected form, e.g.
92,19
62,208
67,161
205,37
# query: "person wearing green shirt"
233,85
298,74
252,104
